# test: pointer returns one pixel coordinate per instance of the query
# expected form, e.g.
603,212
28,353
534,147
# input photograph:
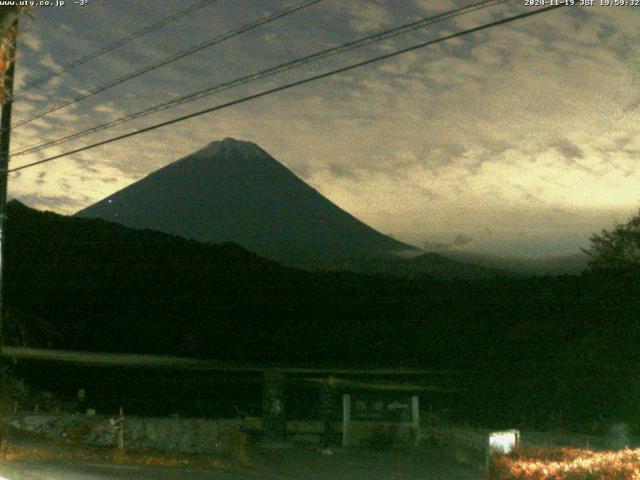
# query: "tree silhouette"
616,250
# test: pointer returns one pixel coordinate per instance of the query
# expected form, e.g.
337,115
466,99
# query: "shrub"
566,464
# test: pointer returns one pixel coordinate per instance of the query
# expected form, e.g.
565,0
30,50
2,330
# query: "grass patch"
34,447
17,453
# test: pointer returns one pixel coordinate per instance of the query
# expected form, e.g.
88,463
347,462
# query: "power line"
295,84
117,44
154,66
352,45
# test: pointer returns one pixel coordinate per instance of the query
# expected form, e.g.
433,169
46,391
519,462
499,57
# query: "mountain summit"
234,191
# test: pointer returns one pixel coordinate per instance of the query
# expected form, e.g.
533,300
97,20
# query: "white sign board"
363,414
503,442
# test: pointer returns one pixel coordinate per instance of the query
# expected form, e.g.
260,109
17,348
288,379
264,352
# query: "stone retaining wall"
184,435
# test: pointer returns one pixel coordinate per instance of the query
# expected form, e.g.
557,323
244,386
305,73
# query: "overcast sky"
520,140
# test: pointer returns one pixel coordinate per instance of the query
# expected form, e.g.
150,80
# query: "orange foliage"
5,60
567,464
7,38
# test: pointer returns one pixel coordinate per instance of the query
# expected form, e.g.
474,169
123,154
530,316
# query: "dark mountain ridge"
570,264
102,286
234,191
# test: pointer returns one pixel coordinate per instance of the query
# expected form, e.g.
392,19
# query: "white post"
415,417
346,419
121,430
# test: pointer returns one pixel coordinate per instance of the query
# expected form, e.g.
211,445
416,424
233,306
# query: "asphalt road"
74,471
285,464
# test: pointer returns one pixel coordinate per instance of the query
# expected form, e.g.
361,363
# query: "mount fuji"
234,191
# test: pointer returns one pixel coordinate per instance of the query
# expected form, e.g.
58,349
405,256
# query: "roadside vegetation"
567,464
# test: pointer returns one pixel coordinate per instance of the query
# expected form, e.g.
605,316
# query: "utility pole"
5,137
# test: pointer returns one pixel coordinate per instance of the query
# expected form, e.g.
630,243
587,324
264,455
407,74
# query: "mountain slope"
87,284
235,191
570,264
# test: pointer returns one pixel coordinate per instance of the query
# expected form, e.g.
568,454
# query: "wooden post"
274,418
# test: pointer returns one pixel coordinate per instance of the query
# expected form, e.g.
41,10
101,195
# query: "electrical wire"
117,44
295,84
290,65
154,66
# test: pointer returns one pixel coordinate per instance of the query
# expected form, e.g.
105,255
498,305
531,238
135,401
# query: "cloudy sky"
519,140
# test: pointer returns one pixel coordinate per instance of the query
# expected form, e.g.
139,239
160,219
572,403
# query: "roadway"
279,464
